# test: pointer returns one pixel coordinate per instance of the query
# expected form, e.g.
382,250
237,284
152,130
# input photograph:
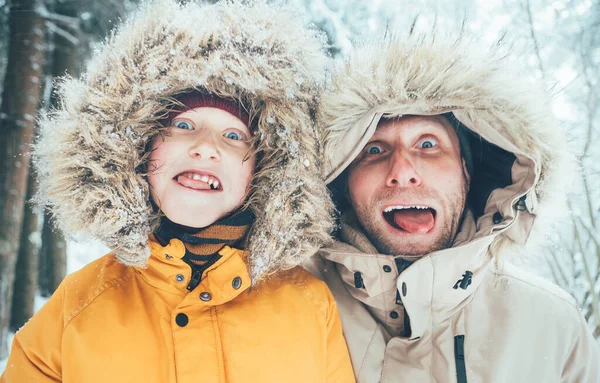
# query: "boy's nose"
402,172
205,147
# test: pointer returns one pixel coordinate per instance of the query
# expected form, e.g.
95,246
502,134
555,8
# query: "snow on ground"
3,362
80,254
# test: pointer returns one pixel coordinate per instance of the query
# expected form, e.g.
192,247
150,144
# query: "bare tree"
20,96
573,41
26,272
64,26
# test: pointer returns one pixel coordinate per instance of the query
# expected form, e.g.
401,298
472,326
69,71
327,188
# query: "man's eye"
373,149
427,144
234,135
183,125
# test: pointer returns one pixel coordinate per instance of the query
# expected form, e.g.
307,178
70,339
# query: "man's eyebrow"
430,125
434,125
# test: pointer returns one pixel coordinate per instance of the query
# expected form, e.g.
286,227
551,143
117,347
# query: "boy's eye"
183,125
373,149
234,134
427,143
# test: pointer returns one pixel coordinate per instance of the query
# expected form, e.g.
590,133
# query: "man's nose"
402,172
205,146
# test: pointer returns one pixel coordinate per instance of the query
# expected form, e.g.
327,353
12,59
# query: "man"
441,159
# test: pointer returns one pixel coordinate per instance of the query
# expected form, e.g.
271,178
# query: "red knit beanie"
198,99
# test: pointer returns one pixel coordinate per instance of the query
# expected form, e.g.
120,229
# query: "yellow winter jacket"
113,323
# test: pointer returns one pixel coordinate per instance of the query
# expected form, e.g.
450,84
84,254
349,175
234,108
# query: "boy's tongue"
415,221
192,184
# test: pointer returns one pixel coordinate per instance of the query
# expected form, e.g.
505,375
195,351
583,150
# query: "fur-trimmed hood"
91,151
521,165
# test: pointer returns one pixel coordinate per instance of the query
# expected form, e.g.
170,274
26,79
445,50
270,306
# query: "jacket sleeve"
36,350
583,362
339,366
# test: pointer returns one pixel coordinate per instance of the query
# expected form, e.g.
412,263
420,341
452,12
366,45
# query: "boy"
193,128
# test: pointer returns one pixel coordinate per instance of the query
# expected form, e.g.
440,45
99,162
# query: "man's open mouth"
415,219
198,181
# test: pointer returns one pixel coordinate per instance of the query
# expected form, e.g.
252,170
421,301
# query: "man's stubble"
379,234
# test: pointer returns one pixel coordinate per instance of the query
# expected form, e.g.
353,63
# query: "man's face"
408,186
200,171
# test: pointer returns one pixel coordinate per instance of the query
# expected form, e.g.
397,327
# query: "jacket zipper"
195,280
459,357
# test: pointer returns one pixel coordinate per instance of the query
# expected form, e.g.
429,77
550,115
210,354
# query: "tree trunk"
26,274
20,98
53,257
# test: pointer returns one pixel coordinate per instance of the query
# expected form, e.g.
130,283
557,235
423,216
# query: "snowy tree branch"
587,271
61,32
536,45
68,21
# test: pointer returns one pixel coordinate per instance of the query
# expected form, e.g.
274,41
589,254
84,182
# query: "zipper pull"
195,281
459,358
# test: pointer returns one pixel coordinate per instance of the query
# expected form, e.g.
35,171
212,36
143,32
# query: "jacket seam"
570,303
311,299
365,358
97,293
576,337
218,342
155,286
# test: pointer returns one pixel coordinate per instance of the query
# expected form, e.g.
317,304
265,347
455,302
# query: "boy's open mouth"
415,219
198,181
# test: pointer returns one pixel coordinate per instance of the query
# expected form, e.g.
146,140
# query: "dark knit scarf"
202,245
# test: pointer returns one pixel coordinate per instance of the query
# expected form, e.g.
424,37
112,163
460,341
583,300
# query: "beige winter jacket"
463,313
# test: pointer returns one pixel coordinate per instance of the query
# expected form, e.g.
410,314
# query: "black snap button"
181,320
236,283
394,315
205,296
404,289
358,280
387,268
497,218
179,278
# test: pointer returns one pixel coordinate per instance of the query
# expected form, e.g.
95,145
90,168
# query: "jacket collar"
426,288
168,272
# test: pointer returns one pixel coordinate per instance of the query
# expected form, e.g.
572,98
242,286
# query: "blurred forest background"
41,40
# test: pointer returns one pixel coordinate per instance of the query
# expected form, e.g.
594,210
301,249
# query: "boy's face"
200,171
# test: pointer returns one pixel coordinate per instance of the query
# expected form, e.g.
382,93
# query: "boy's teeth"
204,178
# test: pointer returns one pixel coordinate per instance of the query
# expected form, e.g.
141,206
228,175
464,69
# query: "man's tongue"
192,183
415,221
